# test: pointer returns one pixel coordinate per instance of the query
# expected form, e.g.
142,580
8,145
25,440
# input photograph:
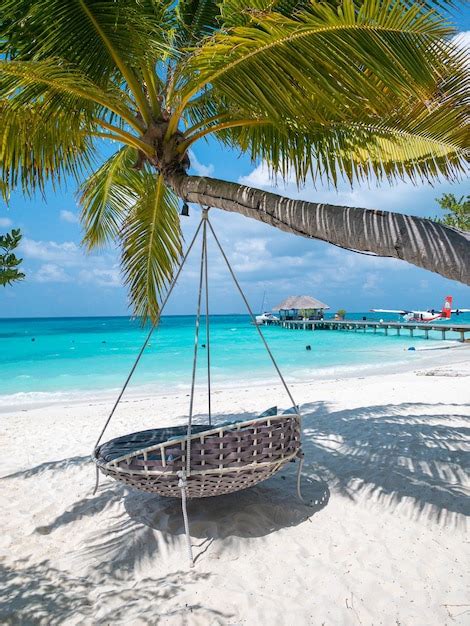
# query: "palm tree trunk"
419,241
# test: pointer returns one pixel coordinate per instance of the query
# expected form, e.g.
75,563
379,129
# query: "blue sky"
62,280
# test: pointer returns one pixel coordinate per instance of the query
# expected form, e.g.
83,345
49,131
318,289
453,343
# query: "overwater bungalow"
301,307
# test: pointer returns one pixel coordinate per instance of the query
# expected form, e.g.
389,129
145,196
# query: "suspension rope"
196,342
183,485
253,319
147,339
208,340
300,456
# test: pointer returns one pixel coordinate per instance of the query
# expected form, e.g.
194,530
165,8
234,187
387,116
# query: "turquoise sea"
96,353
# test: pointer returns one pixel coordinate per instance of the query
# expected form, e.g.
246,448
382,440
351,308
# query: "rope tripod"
185,474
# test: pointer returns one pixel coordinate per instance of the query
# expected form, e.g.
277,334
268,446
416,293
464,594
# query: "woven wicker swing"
197,461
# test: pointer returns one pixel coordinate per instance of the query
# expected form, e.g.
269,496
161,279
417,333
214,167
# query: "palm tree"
340,88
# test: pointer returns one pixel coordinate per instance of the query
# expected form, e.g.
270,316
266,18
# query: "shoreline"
422,358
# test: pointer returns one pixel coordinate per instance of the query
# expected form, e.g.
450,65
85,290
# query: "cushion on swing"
146,438
143,439
294,410
268,413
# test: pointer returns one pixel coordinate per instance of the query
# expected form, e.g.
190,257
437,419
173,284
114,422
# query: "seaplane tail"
447,308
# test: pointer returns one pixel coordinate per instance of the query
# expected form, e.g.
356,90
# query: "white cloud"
259,177
50,273
67,261
108,277
69,216
5,222
67,252
462,40
199,168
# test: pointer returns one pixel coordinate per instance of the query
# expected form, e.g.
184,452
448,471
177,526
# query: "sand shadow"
42,594
254,512
406,456
37,470
151,524
89,506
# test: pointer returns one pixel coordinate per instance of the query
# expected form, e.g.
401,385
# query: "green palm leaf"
60,86
197,19
98,36
239,13
415,143
108,40
335,89
37,147
340,60
107,197
151,244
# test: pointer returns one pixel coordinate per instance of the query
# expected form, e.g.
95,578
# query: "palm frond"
196,19
61,87
239,12
37,147
107,197
151,244
387,94
416,142
341,59
110,41
94,35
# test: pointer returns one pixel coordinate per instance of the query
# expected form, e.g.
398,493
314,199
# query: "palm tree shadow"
88,506
38,470
40,593
406,456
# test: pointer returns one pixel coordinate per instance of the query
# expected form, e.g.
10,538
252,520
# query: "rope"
147,339
299,471
208,341
253,319
183,485
196,341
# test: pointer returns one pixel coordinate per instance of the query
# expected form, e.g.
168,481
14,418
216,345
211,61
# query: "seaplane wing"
399,311
425,316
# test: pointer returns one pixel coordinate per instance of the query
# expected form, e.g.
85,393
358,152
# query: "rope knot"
182,482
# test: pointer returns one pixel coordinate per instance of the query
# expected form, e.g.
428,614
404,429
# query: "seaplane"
431,315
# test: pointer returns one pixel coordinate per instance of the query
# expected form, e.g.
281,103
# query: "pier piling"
354,325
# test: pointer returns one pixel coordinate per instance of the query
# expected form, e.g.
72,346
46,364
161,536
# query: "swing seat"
223,459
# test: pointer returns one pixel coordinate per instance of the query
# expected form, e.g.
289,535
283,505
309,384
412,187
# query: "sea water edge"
54,360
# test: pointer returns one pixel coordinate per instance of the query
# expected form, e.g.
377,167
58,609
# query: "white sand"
385,543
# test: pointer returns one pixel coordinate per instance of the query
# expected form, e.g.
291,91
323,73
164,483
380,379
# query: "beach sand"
383,542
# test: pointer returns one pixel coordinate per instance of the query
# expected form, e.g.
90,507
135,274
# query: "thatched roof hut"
300,303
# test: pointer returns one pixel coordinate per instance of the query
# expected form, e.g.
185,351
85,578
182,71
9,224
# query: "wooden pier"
375,326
